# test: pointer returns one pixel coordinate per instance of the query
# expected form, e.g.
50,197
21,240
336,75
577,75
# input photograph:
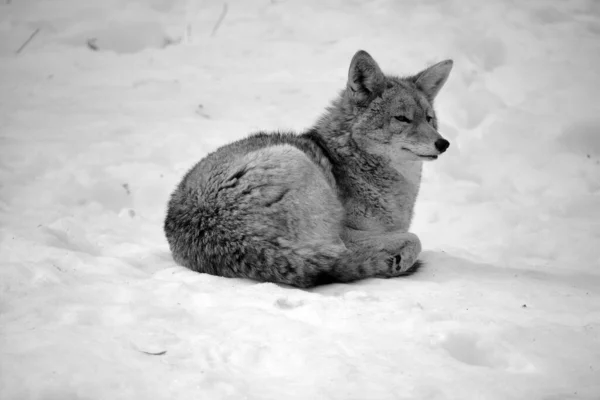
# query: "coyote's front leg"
402,248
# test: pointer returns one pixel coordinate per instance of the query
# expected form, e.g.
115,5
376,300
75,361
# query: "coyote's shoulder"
331,204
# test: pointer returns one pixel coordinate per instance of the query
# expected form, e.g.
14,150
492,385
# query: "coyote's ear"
431,80
365,79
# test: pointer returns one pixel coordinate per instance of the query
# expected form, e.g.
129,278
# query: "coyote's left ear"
365,79
431,80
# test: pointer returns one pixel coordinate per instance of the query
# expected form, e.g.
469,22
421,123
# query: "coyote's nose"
442,145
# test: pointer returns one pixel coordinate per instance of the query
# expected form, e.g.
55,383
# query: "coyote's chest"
405,194
384,205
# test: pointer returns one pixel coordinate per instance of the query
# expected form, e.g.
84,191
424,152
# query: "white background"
93,142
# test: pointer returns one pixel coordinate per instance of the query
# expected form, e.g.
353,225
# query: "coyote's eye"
403,118
429,119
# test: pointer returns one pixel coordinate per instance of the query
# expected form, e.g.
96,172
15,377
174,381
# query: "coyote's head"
393,117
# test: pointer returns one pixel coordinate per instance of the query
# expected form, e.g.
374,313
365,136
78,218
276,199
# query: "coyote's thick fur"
332,204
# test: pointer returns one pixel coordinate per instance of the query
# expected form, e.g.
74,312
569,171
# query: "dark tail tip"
323,278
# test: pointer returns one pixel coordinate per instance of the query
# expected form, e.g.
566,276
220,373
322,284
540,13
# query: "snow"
93,142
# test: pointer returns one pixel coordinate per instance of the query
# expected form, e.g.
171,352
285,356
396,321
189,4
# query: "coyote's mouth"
423,156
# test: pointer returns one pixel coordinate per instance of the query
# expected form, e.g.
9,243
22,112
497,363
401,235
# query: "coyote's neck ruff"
332,204
388,188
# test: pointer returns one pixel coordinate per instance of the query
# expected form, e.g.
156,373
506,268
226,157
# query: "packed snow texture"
110,102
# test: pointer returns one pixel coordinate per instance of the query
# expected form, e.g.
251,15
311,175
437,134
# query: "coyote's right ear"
365,79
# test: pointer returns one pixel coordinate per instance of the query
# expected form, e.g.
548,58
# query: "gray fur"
332,204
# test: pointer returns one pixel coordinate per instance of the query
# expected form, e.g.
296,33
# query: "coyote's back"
305,209
259,208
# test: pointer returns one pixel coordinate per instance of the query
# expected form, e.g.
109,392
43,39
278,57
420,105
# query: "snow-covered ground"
103,111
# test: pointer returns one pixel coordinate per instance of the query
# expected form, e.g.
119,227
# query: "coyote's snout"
332,204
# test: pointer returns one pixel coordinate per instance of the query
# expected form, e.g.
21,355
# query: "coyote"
333,204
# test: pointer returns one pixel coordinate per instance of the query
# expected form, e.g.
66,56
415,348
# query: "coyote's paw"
402,262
